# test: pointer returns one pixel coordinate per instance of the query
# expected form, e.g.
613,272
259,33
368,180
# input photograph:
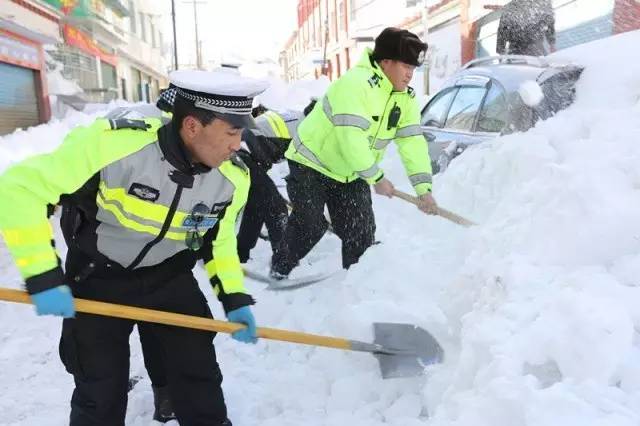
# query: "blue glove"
54,301
244,316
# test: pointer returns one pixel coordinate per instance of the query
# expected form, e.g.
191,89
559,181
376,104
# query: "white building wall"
24,17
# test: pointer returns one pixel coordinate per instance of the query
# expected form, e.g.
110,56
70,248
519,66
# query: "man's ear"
191,125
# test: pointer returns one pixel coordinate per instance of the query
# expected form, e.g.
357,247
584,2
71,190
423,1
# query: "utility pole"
175,37
195,20
425,25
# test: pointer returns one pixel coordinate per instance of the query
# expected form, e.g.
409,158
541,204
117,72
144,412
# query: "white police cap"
228,95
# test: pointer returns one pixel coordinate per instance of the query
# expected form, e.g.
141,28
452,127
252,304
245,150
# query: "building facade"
25,27
113,49
333,33
142,70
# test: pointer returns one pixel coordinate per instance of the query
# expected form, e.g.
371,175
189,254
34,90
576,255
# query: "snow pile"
545,304
57,84
281,96
531,93
536,307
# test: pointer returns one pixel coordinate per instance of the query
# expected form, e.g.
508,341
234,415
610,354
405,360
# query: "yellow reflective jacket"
346,134
125,183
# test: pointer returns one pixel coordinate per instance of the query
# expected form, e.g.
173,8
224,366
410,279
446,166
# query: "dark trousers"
265,206
350,210
95,349
152,355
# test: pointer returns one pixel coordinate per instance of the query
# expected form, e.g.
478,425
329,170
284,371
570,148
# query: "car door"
432,123
449,120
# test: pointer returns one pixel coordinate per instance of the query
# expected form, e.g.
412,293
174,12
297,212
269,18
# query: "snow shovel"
441,212
403,350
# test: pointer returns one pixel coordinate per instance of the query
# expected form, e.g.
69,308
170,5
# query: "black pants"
350,210
152,355
265,206
95,349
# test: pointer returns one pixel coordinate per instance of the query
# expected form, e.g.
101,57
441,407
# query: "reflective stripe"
135,223
370,172
344,119
405,132
381,143
141,211
28,236
36,263
264,127
306,152
419,178
278,125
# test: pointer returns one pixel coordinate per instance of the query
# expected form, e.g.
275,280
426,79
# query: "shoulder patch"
411,91
237,161
127,123
374,80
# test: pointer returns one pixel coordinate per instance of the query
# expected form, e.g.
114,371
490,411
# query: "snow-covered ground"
537,307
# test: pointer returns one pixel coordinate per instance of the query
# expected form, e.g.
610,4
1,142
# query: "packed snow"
531,93
536,307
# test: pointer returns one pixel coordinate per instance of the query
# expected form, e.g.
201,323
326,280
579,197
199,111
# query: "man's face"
211,144
399,73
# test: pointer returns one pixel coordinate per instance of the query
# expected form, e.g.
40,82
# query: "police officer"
334,157
151,346
264,146
150,199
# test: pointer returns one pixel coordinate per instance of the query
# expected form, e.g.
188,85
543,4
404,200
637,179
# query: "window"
153,36
123,86
334,29
143,29
464,108
437,109
341,17
109,75
132,17
494,113
352,13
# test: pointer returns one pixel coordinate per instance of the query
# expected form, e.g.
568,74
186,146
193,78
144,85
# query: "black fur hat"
400,45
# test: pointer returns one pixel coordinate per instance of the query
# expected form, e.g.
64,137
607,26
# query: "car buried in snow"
484,100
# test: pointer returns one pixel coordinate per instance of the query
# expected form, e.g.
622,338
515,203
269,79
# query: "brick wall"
626,16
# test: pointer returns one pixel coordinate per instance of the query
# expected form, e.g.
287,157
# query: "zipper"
183,181
375,137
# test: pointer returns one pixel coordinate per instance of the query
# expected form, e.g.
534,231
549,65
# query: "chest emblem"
144,192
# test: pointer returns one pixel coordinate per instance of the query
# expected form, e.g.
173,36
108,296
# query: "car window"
494,114
437,109
465,106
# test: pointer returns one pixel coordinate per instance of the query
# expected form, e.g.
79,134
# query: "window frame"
491,84
474,125
437,97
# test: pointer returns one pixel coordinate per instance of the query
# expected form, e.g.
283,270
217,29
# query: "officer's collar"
176,153
383,80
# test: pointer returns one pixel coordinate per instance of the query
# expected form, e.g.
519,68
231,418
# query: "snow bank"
545,304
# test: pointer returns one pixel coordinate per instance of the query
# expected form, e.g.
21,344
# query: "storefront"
24,100
91,65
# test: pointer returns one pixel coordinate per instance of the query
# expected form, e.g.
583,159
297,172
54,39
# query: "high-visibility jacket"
269,140
133,190
346,134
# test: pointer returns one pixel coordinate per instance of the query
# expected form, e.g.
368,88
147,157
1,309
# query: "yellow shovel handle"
180,320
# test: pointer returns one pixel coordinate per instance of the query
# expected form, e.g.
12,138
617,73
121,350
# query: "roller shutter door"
18,100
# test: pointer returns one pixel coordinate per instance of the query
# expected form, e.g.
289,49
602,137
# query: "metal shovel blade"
421,347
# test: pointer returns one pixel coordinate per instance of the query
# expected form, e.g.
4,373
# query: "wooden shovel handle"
441,212
188,321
